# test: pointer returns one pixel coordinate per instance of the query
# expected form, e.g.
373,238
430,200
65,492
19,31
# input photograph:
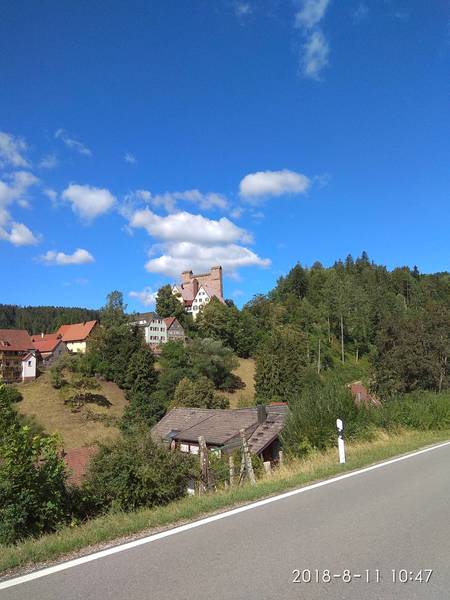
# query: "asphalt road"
395,517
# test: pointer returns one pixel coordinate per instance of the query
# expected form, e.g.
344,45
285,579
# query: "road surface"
396,517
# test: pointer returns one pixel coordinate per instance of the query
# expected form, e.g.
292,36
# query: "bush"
33,496
12,394
199,393
56,377
311,423
420,410
134,473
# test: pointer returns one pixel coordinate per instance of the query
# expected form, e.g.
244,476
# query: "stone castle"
195,291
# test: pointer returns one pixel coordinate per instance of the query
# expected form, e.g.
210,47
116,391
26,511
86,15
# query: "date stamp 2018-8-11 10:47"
403,576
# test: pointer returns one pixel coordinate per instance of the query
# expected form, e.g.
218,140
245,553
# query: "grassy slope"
46,404
246,395
111,527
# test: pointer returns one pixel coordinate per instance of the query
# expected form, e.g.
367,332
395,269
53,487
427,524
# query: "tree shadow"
233,383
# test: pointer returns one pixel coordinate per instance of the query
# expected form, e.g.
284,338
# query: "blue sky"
141,138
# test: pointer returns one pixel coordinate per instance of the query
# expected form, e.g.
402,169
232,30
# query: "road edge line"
206,520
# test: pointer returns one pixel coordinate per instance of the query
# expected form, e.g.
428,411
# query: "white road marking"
235,511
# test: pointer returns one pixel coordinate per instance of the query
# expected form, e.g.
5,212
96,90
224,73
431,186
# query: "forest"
316,331
42,319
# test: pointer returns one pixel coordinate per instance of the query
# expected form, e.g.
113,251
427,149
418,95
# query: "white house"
29,367
158,330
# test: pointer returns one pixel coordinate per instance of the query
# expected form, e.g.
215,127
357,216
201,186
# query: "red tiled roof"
15,340
77,461
169,321
77,332
46,342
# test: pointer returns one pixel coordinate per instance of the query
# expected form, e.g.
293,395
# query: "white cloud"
11,151
179,256
88,201
185,240
129,158
186,227
315,50
19,235
147,296
72,143
51,195
14,190
311,13
273,183
79,257
50,161
236,212
315,55
168,200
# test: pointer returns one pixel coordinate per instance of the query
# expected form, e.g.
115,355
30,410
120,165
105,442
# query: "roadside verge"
114,529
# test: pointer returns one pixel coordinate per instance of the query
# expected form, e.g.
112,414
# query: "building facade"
195,291
49,347
16,350
158,330
75,336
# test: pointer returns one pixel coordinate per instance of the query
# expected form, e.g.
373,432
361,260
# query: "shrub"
199,393
134,473
311,423
33,497
420,410
12,394
56,377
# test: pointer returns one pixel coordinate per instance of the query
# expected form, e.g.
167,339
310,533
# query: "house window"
29,363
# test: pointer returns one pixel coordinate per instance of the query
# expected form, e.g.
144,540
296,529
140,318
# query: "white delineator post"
341,445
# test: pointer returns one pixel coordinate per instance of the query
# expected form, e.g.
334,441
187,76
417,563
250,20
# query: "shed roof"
219,427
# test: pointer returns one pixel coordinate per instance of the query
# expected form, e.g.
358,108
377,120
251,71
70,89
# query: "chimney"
186,276
262,413
42,335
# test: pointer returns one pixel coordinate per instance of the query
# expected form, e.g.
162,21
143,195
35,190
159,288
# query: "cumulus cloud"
147,296
79,257
315,55
61,134
11,151
187,227
315,49
87,201
13,190
18,234
273,183
185,240
129,158
179,256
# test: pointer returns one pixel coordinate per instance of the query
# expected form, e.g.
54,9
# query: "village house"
158,330
75,336
195,291
49,347
181,427
17,356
